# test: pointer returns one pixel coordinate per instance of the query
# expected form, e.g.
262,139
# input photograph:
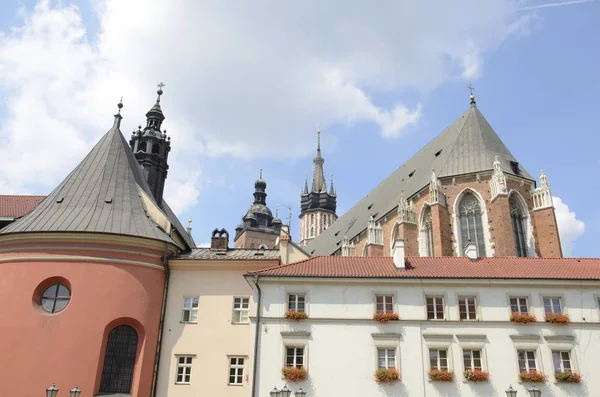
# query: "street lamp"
75,392
274,392
300,393
510,392
52,391
285,392
534,391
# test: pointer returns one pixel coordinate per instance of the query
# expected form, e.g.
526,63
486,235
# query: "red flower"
568,377
385,317
557,318
387,375
441,375
532,376
294,374
476,375
295,315
522,318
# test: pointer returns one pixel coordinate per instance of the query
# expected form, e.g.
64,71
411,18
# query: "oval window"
55,298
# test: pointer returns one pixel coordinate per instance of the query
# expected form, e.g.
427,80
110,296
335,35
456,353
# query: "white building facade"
446,323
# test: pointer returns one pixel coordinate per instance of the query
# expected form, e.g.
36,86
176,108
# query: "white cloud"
569,227
245,79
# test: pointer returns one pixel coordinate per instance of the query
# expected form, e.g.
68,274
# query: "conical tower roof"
468,145
103,194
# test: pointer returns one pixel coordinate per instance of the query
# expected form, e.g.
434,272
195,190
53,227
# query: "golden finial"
472,96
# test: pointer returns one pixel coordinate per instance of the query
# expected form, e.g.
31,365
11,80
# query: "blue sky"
244,94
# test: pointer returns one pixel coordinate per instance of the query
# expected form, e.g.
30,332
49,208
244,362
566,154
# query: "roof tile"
15,206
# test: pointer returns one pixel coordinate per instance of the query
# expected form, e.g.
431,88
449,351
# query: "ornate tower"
151,148
317,206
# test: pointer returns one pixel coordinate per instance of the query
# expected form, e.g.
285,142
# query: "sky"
247,84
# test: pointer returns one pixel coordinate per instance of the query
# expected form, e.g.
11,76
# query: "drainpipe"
256,334
161,326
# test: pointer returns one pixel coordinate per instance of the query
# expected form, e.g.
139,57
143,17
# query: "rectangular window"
519,305
386,358
552,305
384,304
241,309
438,359
435,308
562,361
236,370
294,357
466,308
526,360
190,309
184,370
297,302
472,359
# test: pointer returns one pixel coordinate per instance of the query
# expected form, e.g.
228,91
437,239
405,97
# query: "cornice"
75,258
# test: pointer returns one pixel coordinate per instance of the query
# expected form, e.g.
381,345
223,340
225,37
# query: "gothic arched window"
311,232
324,221
142,147
119,360
471,224
519,224
426,232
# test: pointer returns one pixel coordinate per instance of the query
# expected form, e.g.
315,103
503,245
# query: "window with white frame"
297,302
471,223
241,309
236,370
519,305
184,370
552,305
435,307
311,232
386,358
385,304
562,361
438,359
294,357
190,309
472,359
526,360
467,309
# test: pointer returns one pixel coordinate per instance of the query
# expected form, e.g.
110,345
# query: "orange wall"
38,349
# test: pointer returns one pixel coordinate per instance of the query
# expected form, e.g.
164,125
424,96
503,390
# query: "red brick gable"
441,267
17,206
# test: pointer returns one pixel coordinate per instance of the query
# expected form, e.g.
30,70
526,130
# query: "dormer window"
514,166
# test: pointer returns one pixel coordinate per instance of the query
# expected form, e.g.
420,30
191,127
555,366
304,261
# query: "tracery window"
324,221
471,224
427,229
311,232
519,224
119,360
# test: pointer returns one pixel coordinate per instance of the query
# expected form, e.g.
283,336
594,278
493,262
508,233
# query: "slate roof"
468,145
441,267
15,206
231,254
100,195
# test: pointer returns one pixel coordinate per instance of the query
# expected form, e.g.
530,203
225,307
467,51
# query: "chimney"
219,240
398,255
471,250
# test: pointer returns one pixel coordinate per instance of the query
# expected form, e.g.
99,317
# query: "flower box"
557,318
387,375
476,375
532,376
441,376
385,317
294,374
522,318
296,315
568,377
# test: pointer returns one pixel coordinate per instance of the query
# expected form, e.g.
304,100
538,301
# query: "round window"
55,298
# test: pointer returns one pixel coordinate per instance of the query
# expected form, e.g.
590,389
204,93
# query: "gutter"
161,326
256,336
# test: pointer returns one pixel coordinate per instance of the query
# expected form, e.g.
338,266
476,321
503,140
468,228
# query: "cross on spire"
472,97
470,87
160,91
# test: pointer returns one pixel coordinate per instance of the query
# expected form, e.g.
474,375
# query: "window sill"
183,383
235,384
188,322
240,323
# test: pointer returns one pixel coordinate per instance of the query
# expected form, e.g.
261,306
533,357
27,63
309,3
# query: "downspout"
161,325
256,339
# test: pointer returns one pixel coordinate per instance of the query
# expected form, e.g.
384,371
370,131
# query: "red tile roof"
17,206
441,267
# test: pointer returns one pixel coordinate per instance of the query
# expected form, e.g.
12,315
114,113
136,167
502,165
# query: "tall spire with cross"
472,96
318,182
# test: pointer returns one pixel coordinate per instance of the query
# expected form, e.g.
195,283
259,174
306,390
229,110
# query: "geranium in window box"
294,374
568,377
441,375
557,318
476,375
532,376
385,317
296,315
522,318
387,375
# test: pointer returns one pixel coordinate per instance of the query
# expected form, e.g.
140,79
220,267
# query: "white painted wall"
341,349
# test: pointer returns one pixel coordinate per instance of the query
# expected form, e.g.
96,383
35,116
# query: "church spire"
260,190
318,182
305,191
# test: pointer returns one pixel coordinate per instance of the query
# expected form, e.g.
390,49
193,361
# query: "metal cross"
161,85
471,88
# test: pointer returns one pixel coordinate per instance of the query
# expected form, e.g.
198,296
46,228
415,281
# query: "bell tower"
151,148
317,205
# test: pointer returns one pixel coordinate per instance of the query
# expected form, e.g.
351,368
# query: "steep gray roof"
231,254
100,195
467,146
